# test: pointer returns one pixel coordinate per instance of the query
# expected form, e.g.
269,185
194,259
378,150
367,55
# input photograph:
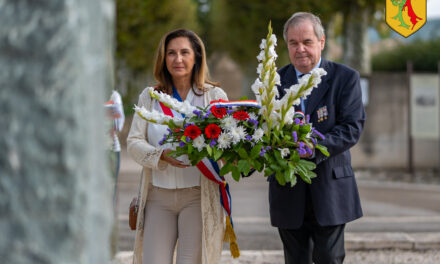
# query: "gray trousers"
171,215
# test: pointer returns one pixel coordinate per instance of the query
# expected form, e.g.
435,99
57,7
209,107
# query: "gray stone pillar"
55,194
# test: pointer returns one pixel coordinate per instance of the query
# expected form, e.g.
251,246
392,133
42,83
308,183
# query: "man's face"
304,47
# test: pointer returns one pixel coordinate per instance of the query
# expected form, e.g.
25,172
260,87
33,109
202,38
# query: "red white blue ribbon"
223,103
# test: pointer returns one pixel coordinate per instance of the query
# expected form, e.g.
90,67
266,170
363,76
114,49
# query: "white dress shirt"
173,177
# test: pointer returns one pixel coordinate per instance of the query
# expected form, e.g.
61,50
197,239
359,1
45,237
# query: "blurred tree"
140,24
238,26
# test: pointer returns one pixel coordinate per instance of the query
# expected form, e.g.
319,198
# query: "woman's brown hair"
200,72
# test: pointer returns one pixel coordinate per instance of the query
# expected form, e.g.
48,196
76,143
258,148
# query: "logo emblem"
405,16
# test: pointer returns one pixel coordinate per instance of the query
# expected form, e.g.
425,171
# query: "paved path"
397,216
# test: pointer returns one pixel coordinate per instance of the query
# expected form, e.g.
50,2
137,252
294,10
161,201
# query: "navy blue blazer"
334,191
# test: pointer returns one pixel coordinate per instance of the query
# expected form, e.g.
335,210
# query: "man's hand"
172,161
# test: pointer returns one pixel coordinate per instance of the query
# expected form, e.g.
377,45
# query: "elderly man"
318,212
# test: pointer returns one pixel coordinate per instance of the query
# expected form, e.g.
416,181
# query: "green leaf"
257,165
309,165
235,174
244,166
323,149
226,169
209,149
268,171
190,148
255,152
303,174
293,181
275,167
280,178
243,154
217,153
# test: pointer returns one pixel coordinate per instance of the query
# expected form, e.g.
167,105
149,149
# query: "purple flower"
297,121
301,145
207,114
198,113
212,143
187,139
313,141
307,119
230,111
316,132
169,130
189,124
301,151
309,150
253,121
162,141
182,144
248,138
295,136
262,152
268,148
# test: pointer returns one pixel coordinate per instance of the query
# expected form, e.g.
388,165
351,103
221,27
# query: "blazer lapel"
288,79
319,92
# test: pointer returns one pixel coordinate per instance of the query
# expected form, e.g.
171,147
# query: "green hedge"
425,56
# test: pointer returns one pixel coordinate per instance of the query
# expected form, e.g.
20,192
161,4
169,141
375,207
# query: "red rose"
219,112
212,131
192,131
241,115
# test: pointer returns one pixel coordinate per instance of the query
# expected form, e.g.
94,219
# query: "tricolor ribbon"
210,170
223,103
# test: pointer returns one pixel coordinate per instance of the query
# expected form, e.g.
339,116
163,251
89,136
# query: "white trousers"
171,215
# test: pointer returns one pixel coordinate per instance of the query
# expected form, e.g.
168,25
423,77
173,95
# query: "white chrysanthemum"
284,152
224,140
238,133
229,123
258,134
199,143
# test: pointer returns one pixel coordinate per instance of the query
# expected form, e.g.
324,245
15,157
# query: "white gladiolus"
157,117
256,86
182,107
199,143
263,44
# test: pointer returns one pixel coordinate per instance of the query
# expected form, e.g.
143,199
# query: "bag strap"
140,185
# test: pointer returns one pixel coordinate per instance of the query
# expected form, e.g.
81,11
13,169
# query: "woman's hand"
172,161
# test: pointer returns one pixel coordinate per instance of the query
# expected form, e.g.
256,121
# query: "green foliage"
424,55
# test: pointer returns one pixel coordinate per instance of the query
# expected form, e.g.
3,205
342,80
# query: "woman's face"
180,58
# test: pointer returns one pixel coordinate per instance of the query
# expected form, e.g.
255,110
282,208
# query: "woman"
177,201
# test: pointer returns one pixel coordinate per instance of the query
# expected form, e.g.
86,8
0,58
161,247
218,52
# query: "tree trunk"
356,42
55,191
